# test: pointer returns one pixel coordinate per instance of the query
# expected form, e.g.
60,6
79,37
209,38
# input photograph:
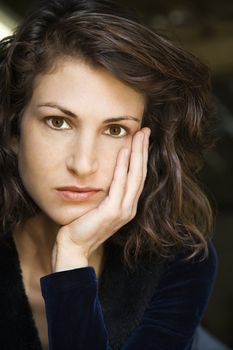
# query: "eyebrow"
73,115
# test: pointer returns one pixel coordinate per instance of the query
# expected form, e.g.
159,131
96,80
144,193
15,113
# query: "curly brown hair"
173,212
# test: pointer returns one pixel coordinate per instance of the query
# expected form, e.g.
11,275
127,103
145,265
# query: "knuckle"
127,213
140,177
112,213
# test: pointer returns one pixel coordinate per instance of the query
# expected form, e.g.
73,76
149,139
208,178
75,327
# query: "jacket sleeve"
75,319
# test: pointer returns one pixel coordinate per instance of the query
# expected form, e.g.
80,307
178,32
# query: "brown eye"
117,131
57,123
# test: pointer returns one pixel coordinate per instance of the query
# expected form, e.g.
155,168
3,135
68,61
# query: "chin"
66,215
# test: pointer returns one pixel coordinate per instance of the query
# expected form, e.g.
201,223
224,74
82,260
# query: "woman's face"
71,135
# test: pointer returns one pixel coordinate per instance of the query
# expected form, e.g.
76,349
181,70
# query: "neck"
35,240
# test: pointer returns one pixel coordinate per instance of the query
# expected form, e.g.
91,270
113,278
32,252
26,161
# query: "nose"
82,158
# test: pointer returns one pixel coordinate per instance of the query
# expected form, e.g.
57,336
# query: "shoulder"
181,297
187,285
197,267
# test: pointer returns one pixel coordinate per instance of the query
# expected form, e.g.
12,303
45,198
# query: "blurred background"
204,27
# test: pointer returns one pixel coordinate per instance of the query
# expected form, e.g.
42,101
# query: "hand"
76,241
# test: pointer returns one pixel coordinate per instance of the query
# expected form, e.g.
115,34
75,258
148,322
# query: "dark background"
205,27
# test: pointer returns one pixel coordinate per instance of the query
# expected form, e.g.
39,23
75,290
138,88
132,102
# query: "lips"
76,194
77,189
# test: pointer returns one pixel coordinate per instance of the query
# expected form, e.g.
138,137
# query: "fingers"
137,171
145,159
144,166
119,182
129,175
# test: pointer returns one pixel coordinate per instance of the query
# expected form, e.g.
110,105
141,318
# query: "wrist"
67,259
64,265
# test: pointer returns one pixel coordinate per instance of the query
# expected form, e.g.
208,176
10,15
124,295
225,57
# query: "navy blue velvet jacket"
157,306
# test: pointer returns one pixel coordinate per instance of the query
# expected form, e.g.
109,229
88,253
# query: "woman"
103,128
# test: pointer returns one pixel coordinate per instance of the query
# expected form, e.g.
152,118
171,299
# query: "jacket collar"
124,294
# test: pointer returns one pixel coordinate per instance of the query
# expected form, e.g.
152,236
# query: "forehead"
78,85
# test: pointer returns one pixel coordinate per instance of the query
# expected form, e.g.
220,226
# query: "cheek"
35,159
108,164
